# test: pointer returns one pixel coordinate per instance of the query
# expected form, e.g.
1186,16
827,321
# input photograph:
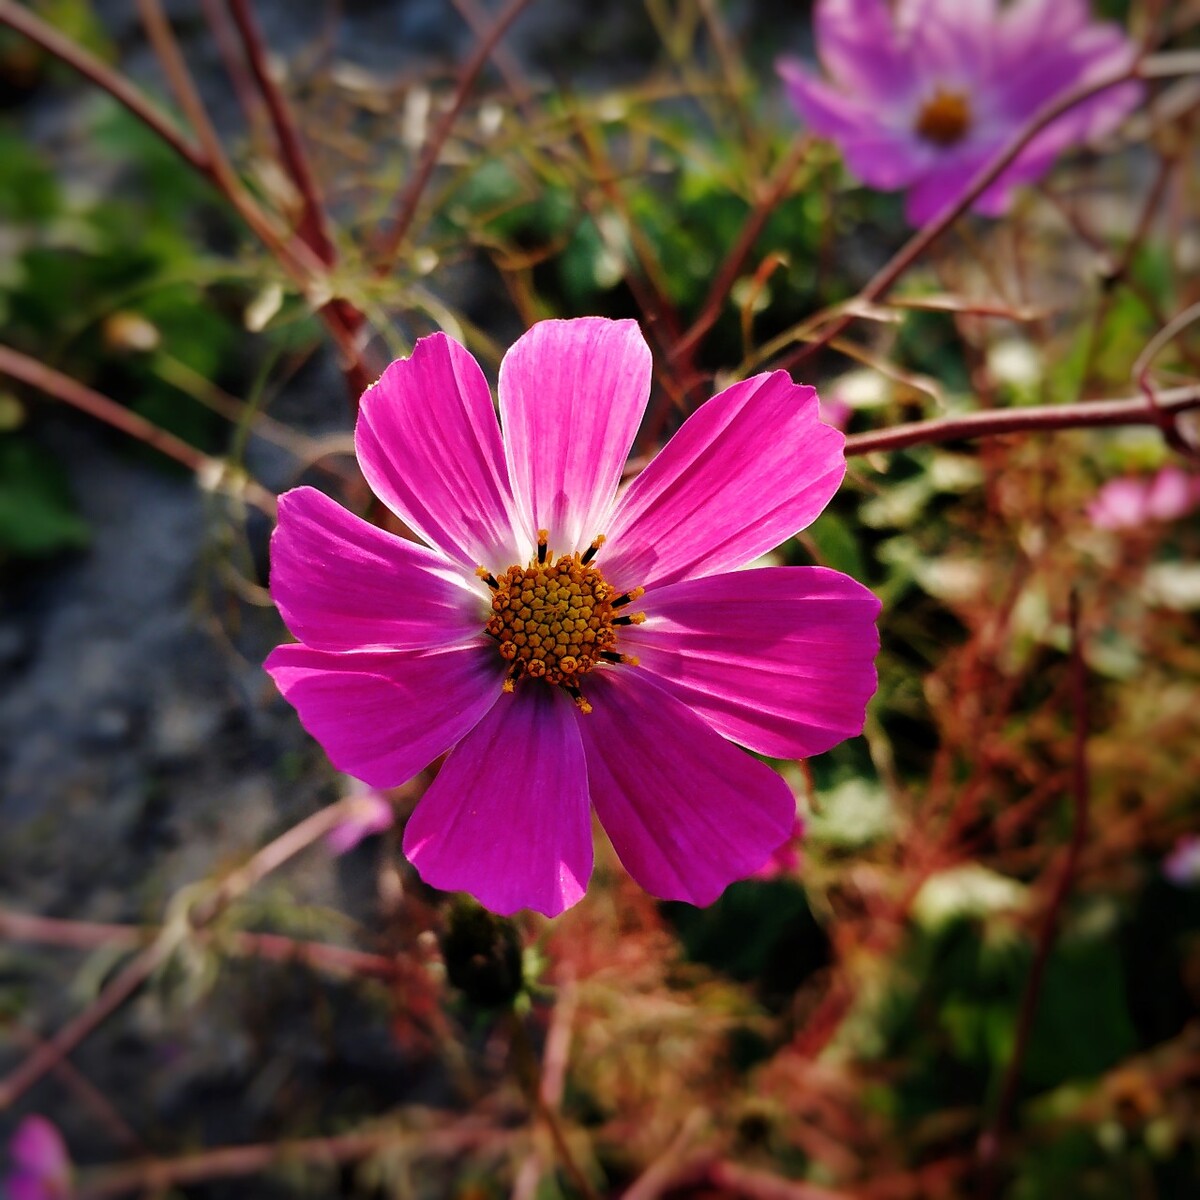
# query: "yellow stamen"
556,619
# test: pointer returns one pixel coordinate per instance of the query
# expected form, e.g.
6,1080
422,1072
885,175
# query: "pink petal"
744,472
38,1147
1119,504
950,39
382,716
342,584
687,811
41,1166
856,45
507,818
429,445
946,181
780,659
1171,494
572,394
368,812
877,150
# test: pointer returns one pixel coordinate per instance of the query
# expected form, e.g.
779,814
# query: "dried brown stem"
313,228
89,935
729,270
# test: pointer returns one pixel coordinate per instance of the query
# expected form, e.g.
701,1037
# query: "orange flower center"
554,620
944,118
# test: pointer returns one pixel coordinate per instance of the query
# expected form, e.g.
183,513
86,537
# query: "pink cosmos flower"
41,1168
369,812
923,93
1132,501
1182,865
571,647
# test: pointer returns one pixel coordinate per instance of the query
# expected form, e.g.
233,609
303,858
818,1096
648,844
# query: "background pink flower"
369,812
921,95
572,648
1132,501
40,1168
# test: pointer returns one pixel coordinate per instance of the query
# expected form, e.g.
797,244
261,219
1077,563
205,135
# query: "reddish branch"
108,80
313,228
1091,415
731,268
206,155
209,471
231,1162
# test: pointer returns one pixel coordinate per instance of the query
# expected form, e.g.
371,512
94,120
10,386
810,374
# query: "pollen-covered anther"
557,618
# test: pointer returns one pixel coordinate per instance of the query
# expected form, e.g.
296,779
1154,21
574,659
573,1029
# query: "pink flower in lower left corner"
570,647
40,1166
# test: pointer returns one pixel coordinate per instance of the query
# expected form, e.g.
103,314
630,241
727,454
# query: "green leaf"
37,517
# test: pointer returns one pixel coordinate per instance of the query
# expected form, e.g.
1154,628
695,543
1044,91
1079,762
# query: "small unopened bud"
130,333
483,955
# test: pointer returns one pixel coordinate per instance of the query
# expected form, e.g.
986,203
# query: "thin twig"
678,1164
103,1111
208,158
313,228
732,266
139,969
991,1139
231,1162
1096,414
406,209
275,947
529,1077
759,1185
211,472
1141,374
105,78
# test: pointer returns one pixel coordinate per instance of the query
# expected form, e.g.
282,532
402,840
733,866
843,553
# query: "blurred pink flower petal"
787,859
41,1168
921,94
1182,865
508,642
835,412
369,813
1133,501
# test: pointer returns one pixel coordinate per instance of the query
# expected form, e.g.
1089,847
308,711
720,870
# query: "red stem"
108,80
313,229
62,387
1094,414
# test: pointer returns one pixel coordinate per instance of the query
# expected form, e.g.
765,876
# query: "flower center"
945,118
554,620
